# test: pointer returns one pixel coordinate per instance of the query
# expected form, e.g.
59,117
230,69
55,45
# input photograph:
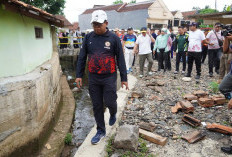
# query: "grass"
68,138
214,87
143,150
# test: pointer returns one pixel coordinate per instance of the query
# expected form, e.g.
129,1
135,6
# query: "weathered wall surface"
27,105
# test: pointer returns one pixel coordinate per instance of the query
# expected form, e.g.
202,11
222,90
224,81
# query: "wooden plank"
154,138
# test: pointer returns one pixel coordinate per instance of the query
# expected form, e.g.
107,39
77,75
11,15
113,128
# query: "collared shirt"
103,51
181,42
195,41
129,40
144,43
162,42
213,39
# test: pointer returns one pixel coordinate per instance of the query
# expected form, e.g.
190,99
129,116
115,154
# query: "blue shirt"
129,40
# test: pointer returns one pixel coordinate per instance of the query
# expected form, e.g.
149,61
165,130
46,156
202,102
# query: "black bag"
220,42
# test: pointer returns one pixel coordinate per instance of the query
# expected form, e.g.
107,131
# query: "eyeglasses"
96,24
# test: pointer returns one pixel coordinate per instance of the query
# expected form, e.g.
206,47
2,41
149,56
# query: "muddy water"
83,119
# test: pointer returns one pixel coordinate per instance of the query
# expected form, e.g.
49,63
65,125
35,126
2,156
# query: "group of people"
74,35
106,50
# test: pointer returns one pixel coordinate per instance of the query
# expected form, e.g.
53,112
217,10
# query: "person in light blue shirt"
161,46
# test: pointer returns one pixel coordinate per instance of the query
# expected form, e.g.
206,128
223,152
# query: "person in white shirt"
144,43
215,40
196,38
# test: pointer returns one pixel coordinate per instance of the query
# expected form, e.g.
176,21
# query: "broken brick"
219,100
191,121
219,128
194,137
156,97
147,126
187,107
176,108
190,97
156,89
137,95
155,138
206,102
156,83
200,93
230,104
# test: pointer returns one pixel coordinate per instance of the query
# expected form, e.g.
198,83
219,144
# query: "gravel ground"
170,125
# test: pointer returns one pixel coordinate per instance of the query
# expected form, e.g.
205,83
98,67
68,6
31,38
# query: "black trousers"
180,55
103,88
163,60
169,61
75,45
204,53
194,56
213,60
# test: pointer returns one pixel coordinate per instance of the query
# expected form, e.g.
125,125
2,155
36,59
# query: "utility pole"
215,5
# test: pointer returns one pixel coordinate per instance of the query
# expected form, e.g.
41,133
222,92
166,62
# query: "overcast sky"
73,8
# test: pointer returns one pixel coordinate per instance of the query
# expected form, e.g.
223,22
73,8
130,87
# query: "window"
38,33
176,22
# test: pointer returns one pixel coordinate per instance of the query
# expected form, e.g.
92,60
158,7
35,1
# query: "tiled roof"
31,11
66,22
174,12
122,7
186,14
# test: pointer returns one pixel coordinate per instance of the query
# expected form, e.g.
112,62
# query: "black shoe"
211,74
197,77
112,119
227,150
217,71
188,75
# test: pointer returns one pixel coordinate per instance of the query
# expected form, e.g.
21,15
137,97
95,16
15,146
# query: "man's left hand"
126,84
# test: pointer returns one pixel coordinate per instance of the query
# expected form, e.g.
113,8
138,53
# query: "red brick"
187,107
206,102
176,108
219,100
147,126
154,138
191,121
190,97
200,93
194,137
219,128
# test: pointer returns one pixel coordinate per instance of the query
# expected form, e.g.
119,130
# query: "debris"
147,126
127,137
187,106
156,83
230,104
155,138
219,128
206,102
193,137
156,97
48,146
200,93
156,89
191,121
186,79
76,89
219,100
190,97
176,108
137,95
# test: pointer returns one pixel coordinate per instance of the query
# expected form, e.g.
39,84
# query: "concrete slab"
87,149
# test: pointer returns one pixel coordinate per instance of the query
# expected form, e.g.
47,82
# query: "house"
186,17
153,14
30,73
74,26
67,24
210,19
178,17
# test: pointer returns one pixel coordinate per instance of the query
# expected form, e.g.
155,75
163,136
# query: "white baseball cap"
99,16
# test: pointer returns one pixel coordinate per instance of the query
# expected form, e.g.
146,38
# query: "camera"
226,30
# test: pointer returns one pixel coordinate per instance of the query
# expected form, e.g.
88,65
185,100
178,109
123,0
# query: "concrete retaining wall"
27,105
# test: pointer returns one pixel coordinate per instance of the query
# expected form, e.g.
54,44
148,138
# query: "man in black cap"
196,38
128,46
144,43
103,49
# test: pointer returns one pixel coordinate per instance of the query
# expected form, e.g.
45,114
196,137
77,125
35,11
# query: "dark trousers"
103,88
169,60
204,53
74,44
213,60
180,55
194,56
163,58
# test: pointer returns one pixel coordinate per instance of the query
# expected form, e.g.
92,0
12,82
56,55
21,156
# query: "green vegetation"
51,6
68,138
214,87
109,146
118,2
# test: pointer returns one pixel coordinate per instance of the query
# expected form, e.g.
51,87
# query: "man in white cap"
103,49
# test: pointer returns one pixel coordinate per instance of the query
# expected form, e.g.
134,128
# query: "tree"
207,10
51,6
118,2
133,1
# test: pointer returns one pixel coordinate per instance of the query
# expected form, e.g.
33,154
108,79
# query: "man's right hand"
79,82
